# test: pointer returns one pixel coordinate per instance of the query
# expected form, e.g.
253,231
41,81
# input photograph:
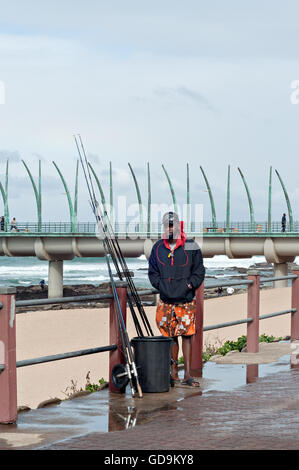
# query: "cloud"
152,82
174,94
187,94
93,158
38,157
12,155
139,171
196,97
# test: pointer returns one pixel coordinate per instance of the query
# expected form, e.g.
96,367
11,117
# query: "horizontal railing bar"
283,312
228,283
56,300
280,278
247,320
223,325
77,298
146,292
57,357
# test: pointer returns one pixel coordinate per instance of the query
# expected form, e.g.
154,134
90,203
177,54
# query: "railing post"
117,356
253,311
8,377
197,339
295,304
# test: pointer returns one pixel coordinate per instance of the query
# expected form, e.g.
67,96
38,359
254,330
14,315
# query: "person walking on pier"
2,223
13,225
283,223
176,270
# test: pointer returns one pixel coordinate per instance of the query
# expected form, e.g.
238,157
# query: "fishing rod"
131,370
130,282
105,235
124,272
130,367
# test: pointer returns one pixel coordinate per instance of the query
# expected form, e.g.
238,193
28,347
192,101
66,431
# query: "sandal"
191,382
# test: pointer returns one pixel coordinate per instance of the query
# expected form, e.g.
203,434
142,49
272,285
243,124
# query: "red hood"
181,239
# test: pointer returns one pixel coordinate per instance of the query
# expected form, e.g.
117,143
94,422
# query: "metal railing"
105,296
60,300
249,282
8,383
155,228
57,357
8,379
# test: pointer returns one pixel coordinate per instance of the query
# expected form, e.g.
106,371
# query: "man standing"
176,270
283,223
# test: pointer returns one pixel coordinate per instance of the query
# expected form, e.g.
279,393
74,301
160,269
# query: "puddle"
97,412
227,377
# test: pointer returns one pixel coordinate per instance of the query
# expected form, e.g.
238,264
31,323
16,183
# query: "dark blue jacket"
170,275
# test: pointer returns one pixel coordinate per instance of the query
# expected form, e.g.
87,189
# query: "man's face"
171,231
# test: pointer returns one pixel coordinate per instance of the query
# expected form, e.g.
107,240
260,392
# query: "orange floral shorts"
176,319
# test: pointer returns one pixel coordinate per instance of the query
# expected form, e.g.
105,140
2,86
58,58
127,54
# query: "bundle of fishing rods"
127,373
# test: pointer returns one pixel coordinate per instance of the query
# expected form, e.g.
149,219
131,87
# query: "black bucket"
152,359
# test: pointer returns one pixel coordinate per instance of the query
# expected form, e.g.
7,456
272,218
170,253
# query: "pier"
55,242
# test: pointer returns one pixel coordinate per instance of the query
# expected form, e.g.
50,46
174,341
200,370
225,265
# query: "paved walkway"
261,415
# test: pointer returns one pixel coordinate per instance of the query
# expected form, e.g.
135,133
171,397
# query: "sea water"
25,271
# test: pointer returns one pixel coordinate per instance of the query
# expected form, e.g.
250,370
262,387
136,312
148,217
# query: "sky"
171,82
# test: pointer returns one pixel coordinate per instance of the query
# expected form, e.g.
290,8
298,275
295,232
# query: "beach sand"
48,332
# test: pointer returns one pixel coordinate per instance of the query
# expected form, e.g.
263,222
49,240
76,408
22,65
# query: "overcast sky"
165,82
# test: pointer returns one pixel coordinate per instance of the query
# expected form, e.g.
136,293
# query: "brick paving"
263,415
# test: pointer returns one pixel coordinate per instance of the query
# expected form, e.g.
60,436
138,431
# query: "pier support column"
55,279
281,269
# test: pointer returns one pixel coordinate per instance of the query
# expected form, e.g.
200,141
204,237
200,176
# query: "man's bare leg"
174,357
187,353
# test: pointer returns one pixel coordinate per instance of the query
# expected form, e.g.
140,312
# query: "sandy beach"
47,332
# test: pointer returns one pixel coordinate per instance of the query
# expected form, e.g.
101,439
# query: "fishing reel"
119,375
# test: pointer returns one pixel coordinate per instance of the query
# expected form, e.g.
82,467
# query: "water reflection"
127,417
295,355
252,373
120,420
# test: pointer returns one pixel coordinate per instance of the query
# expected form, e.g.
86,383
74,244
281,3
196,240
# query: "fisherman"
176,270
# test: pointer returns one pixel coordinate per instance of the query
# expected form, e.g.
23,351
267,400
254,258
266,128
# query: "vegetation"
93,387
239,345
73,390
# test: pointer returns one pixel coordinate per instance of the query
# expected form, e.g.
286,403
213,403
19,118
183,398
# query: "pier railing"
9,365
24,227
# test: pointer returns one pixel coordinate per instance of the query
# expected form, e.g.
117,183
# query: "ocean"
26,271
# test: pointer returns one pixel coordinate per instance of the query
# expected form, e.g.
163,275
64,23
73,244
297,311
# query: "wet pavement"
239,406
